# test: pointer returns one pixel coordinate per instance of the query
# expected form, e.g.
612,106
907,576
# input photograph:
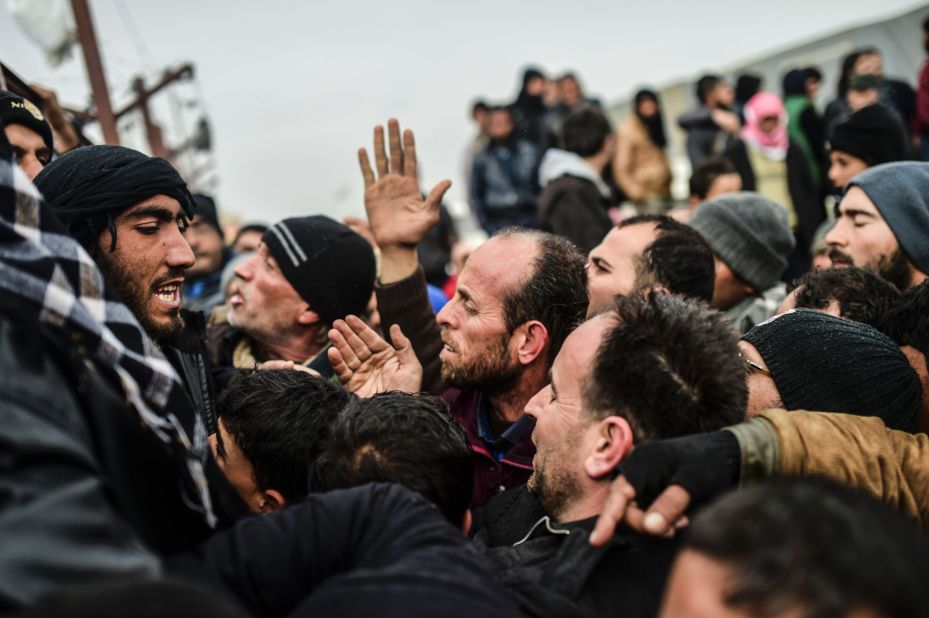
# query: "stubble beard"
136,297
896,269
490,372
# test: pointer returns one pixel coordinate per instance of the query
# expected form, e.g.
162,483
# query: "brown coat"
859,451
640,168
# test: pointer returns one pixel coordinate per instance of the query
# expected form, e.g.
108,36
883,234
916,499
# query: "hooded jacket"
574,201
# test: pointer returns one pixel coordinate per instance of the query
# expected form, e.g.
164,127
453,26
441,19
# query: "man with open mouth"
129,211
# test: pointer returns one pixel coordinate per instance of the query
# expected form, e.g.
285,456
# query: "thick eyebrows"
157,212
856,212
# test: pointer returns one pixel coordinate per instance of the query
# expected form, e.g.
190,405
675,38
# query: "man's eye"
148,230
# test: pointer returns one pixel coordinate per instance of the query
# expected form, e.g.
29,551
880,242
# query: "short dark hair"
400,438
584,131
863,296
907,322
706,172
705,86
813,73
280,419
814,546
261,228
679,259
479,105
554,293
670,366
926,24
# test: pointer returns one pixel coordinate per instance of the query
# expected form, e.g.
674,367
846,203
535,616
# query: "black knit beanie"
873,134
16,110
331,267
205,208
88,187
823,363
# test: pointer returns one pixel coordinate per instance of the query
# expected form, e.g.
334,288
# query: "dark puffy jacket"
374,550
86,492
554,571
505,185
574,208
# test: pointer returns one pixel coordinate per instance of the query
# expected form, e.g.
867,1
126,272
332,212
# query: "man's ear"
614,441
272,500
466,522
308,317
531,340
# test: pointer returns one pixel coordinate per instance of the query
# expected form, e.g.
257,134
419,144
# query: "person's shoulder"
507,517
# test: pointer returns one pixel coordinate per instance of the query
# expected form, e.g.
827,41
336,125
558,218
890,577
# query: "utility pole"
142,96
88,41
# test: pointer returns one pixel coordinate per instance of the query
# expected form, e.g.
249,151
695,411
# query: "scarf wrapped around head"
774,144
88,187
43,266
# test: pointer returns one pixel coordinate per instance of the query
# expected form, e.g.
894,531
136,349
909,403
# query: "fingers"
614,509
366,335
404,347
366,172
339,366
667,511
396,149
409,154
380,155
438,192
337,336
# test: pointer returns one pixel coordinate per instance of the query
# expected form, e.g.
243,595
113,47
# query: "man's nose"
180,255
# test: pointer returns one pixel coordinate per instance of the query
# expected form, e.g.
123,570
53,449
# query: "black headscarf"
88,187
530,104
655,124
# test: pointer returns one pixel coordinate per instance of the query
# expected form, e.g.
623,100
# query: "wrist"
397,263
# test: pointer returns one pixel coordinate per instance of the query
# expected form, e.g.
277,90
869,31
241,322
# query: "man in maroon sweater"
491,347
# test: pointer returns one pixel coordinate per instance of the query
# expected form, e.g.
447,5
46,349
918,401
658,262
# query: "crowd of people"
716,408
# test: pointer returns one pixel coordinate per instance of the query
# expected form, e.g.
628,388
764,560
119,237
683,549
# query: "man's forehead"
856,199
152,205
631,239
580,347
498,265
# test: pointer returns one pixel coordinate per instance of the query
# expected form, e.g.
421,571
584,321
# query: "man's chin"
164,329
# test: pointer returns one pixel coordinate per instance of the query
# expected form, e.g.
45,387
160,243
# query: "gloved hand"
670,476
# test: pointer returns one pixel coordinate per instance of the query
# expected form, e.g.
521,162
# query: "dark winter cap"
794,82
749,233
873,134
900,192
16,110
331,267
87,187
823,363
205,208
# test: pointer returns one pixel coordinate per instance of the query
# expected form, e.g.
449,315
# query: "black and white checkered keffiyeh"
42,265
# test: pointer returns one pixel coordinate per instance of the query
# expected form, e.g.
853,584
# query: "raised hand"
397,212
367,365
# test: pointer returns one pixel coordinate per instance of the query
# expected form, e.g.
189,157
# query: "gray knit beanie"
900,192
827,364
749,233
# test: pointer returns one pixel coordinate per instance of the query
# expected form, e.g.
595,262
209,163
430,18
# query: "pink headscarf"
774,144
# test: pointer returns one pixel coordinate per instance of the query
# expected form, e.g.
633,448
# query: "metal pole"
88,40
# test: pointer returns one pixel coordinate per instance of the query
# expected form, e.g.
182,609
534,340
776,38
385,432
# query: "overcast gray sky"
293,88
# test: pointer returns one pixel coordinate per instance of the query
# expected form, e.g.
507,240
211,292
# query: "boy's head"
272,426
400,438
